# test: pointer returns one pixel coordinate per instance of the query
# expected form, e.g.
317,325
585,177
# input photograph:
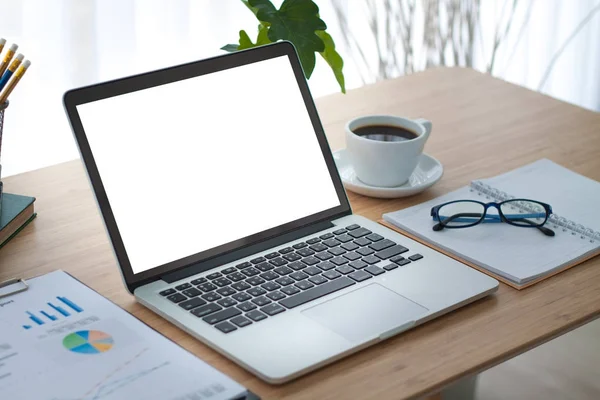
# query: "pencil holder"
2,108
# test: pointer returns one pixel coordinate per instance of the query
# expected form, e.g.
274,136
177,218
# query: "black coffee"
385,133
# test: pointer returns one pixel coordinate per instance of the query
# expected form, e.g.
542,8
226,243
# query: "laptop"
227,216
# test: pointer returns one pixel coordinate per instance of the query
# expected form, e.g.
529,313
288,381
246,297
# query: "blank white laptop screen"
194,164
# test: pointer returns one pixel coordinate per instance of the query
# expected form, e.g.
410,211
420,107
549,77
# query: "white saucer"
428,172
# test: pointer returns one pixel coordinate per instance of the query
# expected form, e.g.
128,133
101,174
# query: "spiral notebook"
517,256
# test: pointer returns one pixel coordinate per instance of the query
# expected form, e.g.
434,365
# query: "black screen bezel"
104,90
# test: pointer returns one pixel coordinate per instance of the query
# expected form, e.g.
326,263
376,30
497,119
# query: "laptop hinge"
206,265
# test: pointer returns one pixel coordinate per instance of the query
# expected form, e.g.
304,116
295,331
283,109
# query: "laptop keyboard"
265,286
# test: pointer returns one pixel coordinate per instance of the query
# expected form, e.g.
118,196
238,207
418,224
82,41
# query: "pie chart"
88,342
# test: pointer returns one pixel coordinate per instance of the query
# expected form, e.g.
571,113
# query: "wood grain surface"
481,127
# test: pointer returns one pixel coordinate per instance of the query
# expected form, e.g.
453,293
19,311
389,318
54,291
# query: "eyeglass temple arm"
440,225
545,231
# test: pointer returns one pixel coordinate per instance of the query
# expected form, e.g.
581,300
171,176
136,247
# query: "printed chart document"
60,340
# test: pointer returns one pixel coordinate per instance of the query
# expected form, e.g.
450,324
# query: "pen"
11,69
2,43
9,55
13,82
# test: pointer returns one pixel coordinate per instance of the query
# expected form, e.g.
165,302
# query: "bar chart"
61,308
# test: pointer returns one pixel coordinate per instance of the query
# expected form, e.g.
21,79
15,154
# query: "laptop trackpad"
366,313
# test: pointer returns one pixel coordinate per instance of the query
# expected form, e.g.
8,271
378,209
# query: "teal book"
15,213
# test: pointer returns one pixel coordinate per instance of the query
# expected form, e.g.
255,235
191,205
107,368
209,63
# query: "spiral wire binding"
554,219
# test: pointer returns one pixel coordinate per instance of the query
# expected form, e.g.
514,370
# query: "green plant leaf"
296,21
230,47
333,58
246,43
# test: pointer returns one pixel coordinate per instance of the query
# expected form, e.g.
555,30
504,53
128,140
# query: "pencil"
2,43
13,82
9,55
10,71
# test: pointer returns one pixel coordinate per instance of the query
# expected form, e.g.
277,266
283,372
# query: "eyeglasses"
518,212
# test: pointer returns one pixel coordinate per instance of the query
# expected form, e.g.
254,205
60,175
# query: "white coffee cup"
386,163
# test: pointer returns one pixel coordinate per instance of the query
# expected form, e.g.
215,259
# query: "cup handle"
427,124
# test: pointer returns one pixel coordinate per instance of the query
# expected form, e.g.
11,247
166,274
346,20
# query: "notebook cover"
483,270
12,206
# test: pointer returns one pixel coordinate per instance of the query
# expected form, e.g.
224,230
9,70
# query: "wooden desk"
481,127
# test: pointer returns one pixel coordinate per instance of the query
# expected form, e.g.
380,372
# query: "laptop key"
250,271
415,257
221,315
299,245
247,306
360,232
256,315
177,298
283,270
239,286
305,252
352,256
311,260
206,310
192,303
286,250
192,292
373,237
183,286
212,296
265,266
360,276
255,280
220,282
317,279
396,259
272,309
331,275
318,247
313,240
206,287
214,275
326,266
358,264
324,256
339,261
352,227
167,292
371,259
345,238
391,252
236,277
261,301
272,255
337,251
382,244
349,246
344,269
284,281
292,257
390,266
312,270
365,251
317,292
244,265
256,291
241,321
326,236
339,231
241,297
276,296
226,291
227,302
225,327
299,275
290,290
332,242
304,285
258,260
199,281
270,286
278,262
372,269
229,270
297,265
362,242
269,275
403,262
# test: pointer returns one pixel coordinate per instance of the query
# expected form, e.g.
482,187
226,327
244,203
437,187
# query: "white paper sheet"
60,340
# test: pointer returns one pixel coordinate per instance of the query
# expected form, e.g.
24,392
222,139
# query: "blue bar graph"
49,316
27,326
68,302
35,319
59,309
